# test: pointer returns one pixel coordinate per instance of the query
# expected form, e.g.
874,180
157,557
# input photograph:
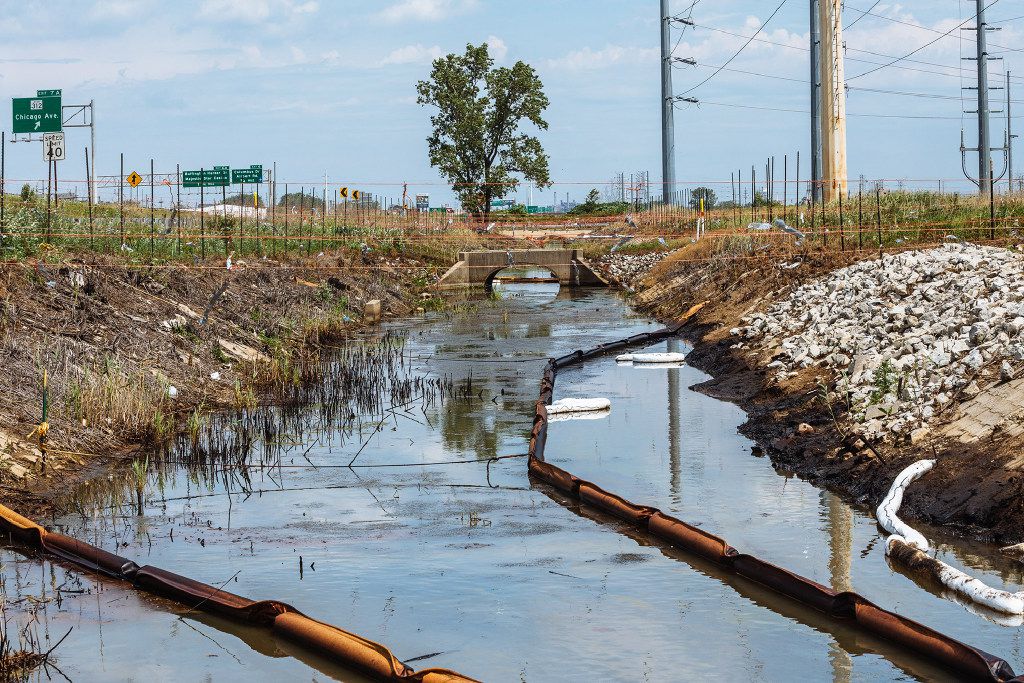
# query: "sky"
328,86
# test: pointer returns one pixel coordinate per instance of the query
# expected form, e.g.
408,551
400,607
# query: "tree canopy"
239,199
705,193
476,141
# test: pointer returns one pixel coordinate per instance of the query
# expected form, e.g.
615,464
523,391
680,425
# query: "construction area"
271,411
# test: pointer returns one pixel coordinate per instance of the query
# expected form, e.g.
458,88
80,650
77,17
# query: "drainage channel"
474,568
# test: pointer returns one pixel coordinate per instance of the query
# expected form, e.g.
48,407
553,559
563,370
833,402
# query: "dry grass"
133,403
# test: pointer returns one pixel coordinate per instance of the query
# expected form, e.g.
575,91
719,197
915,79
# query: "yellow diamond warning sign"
134,179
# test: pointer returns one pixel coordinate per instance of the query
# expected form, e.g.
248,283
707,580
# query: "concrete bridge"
478,268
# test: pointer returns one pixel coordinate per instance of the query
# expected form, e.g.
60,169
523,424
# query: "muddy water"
469,566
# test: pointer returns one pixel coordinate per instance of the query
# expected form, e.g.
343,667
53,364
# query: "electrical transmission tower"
815,34
832,105
668,136
984,148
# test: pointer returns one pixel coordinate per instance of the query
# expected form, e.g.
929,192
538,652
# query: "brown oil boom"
339,646
845,606
377,661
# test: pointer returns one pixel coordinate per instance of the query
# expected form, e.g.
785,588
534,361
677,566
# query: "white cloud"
235,10
117,9
425,10
413,54
255,11
610,55
497,48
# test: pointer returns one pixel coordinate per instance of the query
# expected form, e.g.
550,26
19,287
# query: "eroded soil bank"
808,427
133,353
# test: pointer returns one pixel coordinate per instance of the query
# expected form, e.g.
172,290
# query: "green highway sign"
218,176
48,93
253,174
36,114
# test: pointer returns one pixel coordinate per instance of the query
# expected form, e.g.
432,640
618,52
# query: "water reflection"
424,546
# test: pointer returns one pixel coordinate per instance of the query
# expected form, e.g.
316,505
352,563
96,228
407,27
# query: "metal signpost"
46,113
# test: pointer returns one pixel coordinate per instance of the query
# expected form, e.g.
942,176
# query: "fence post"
3,181
860,220
88,193
177,203
991,203
842,231
878,217
202,210
152,212
120,199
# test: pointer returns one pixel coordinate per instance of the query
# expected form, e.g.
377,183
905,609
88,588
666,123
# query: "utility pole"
815,104
1009,138
833,99
984,149
984,142
668,142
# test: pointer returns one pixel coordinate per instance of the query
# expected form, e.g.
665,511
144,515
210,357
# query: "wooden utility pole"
833,100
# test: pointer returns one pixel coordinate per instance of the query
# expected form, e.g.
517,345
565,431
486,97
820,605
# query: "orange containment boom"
339,646
966,661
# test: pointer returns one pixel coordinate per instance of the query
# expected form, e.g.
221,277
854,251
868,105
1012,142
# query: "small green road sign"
253,174
36,114
48,93
218,176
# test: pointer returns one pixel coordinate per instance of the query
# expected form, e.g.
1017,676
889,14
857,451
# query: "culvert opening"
534,283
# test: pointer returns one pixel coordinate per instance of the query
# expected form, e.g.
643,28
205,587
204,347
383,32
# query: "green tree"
476,141
239,199
705,193
294,199
26,192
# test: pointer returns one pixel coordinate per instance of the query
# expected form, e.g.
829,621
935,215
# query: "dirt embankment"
803,412
133,353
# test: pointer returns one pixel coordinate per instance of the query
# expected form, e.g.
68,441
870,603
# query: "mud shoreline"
135,353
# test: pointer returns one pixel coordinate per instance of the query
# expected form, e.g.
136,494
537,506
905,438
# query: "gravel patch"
907,334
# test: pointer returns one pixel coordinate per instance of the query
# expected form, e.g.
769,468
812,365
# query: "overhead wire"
865,115
868,13
864,14
801,48
922,47
737,53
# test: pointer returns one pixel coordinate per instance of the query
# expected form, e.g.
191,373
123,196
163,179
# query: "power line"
804,111
960,70
690,62
737,53
869,13
863,14
915,51
927,95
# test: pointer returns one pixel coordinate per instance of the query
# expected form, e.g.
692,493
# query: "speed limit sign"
53,146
